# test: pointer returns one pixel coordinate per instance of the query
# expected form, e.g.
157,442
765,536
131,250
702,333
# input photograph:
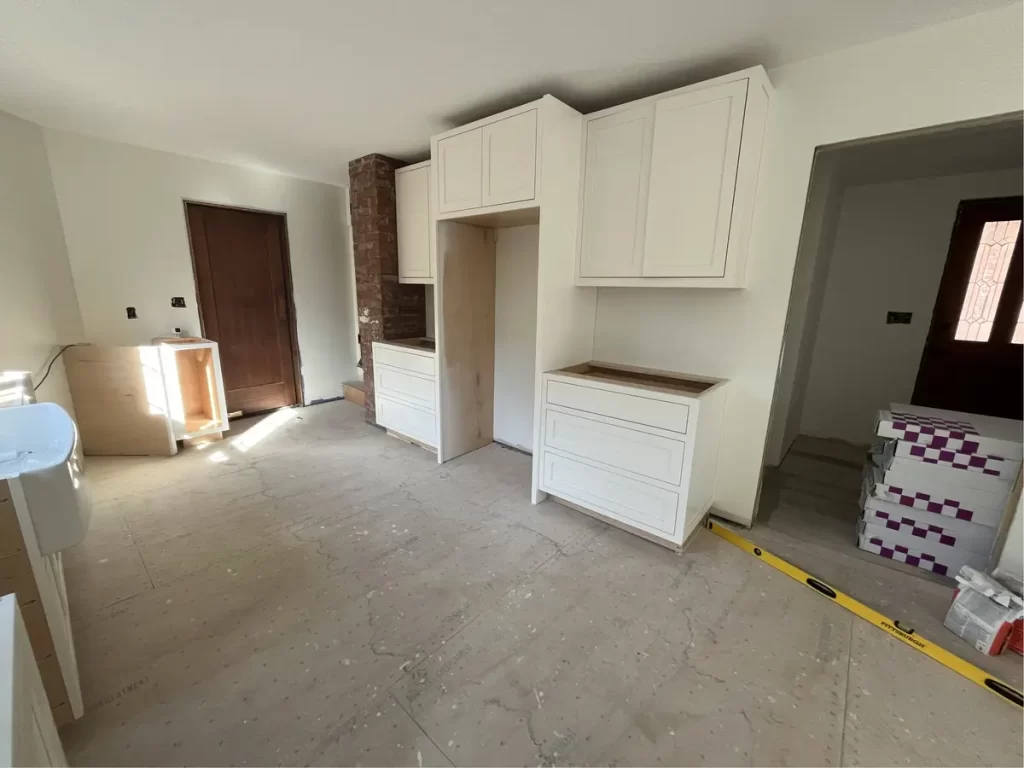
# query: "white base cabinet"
668,186
405,390
637,447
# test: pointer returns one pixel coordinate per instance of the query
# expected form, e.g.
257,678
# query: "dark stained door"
244,287
973,359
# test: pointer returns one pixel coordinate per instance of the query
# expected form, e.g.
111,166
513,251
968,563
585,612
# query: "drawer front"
630,501
404,386
634,408
641,452
406,420
407,361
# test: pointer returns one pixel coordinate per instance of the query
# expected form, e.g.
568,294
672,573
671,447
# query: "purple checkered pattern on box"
921,531
932,425
904,555
923,501
973,462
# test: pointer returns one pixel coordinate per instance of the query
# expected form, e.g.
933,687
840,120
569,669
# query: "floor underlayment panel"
330,595
809,508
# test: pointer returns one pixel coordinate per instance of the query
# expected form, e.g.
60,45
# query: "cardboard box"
993,466
953,501
873,541
917,472
929,526
967,433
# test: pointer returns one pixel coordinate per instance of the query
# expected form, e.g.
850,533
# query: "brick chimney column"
387,309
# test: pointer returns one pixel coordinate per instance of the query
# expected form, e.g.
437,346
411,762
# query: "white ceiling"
304,86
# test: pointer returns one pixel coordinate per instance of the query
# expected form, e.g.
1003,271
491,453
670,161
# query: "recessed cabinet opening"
197,378
489,315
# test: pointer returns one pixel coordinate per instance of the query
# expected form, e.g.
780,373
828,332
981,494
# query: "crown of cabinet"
668,186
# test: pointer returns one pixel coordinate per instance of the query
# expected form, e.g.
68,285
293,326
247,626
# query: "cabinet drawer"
641,452
406,419
634,408
413,389
623,498
407,361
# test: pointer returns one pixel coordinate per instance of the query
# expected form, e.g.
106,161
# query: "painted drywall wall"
38,308
1011,560
810,272
965,69
889,253
515,334
124,222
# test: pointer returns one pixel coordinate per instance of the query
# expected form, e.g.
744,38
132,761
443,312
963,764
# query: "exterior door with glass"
973,359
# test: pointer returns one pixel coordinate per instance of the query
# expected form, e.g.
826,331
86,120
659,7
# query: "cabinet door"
459,170
618,158
412,199
510,159
693,180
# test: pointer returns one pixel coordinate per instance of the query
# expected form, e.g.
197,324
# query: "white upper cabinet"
459,170
412,199
618,162
693,179
668,186
490,167
510,159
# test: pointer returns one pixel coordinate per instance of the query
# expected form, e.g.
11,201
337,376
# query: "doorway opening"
906,300
244,288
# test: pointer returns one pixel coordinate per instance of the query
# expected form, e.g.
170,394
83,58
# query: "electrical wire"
52,361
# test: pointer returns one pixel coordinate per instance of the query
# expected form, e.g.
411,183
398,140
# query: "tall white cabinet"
416,262
668,186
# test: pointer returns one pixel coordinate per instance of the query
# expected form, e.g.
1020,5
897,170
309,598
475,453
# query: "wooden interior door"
243,282
973,359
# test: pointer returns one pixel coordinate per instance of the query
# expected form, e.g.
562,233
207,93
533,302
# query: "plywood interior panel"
466,357
197,379
120,402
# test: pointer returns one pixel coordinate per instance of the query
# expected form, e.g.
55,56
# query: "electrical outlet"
132,314
898,318
178,302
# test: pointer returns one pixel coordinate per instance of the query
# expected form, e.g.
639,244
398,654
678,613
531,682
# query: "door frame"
300,392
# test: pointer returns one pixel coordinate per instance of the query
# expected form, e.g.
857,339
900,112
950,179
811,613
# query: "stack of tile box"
936,487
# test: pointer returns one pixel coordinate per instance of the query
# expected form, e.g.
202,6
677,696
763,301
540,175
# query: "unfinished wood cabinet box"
636,447
415,224
37,583
668,187
28,733
140,401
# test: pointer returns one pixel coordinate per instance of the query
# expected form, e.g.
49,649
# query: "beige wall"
962,70
38,308
124,222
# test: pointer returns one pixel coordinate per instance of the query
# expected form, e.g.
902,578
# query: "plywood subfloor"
333,596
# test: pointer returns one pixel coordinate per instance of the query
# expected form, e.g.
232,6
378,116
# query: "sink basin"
40,458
